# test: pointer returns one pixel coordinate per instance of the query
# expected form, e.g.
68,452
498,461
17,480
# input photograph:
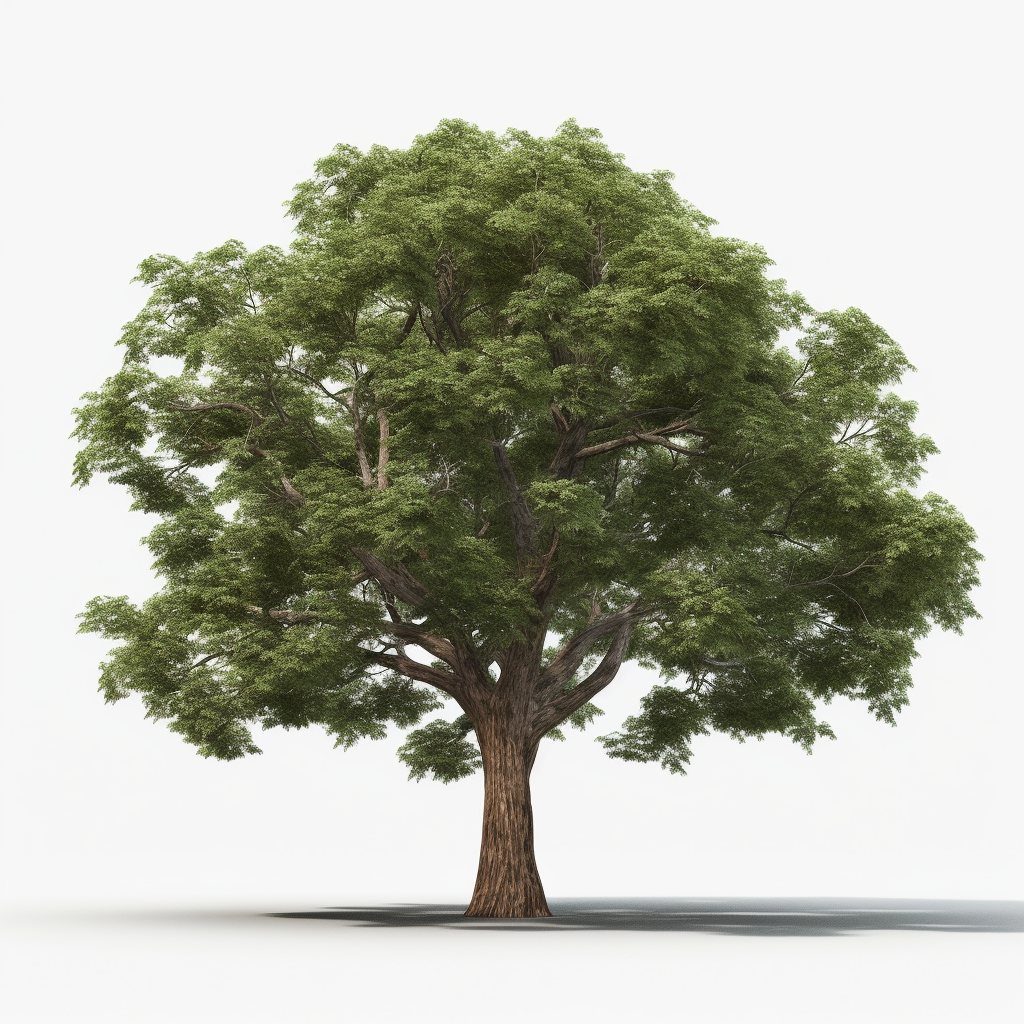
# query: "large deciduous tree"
506,414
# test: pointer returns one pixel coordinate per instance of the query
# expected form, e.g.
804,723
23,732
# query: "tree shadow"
767,916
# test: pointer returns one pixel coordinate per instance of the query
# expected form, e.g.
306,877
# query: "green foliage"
662,731
441,751
289,415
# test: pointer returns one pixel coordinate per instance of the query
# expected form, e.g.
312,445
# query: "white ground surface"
784,960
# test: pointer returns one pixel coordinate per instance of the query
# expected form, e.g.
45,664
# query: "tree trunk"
507,882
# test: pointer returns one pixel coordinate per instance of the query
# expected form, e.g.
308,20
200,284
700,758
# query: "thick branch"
564,704
450,296
574,653
438,646
421,673
395,580
546,579
560,421
431,334
566,463
292,496
410,321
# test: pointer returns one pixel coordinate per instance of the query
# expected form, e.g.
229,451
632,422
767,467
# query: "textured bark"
507,883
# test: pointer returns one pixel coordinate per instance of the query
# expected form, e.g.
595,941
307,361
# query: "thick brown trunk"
507,882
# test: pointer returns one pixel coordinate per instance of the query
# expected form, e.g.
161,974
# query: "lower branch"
407,666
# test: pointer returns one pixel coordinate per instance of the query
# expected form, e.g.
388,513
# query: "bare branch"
658,436
253,304
288,616
800,376
281,414
637,414
838,576
850,597
207,660
786,536
792,506
332,395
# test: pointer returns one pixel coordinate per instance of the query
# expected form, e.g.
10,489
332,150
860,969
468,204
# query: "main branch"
574,653
559,707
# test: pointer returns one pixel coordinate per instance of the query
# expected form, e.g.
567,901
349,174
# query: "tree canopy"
506,414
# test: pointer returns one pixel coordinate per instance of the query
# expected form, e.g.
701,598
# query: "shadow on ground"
808,916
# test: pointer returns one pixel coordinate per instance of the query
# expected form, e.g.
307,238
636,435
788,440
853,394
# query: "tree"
506,414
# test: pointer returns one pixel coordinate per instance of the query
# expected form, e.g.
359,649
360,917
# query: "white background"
874,150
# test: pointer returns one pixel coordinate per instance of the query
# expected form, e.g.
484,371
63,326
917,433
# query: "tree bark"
507,882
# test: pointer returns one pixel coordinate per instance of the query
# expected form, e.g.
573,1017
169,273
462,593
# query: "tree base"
476,909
